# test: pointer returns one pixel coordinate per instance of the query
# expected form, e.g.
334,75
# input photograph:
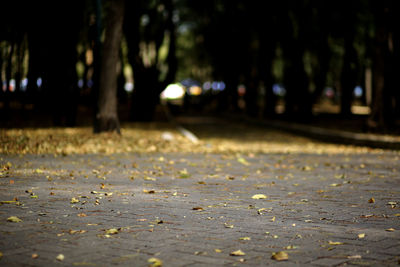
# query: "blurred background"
307,61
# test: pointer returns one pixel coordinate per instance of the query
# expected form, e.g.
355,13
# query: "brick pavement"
189,209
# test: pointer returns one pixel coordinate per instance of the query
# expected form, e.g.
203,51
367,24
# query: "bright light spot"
278,90
12,85
195,90
39,82
173,91
218,86
241,90
329,92
80,83
128,87
207,86
358,91
24,84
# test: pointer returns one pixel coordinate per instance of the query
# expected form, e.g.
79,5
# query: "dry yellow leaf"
35,256
237,253
60,257
245,238
217,250
259,196
390,230
243,161
280,256
74,200
361,235
228,225
335,243
112,231
154,262
14,219
371,200
273,219
1,254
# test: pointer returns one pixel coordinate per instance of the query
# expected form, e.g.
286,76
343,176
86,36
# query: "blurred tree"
107,114
350,67
297,99
148,28
385,50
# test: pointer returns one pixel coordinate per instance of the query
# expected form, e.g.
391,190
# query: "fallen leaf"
335,243
392,204
217,250
228,225
154,262
361,235
259,196
273,219
354,257
184,174
243,161
237,253
77,231
149,191
198,208
147,178
306,168
280,256
371,200
60,257
35,256
112,231
335,185
390,230
14,219
245,238
81,215
8,202
74,200
1,254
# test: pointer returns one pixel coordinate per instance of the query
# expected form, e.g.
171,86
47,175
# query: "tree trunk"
107,115
378,110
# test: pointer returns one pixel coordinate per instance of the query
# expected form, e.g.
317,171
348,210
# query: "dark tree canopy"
284,58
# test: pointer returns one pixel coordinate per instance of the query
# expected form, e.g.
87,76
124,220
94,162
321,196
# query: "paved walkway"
198,209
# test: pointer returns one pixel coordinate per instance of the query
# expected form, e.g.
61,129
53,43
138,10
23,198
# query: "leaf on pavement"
184,174
154,262
243,161
14,219
361,235
60,257
228,225
371,200
280,256
74,200
335,243
237,253
259,196
112,231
